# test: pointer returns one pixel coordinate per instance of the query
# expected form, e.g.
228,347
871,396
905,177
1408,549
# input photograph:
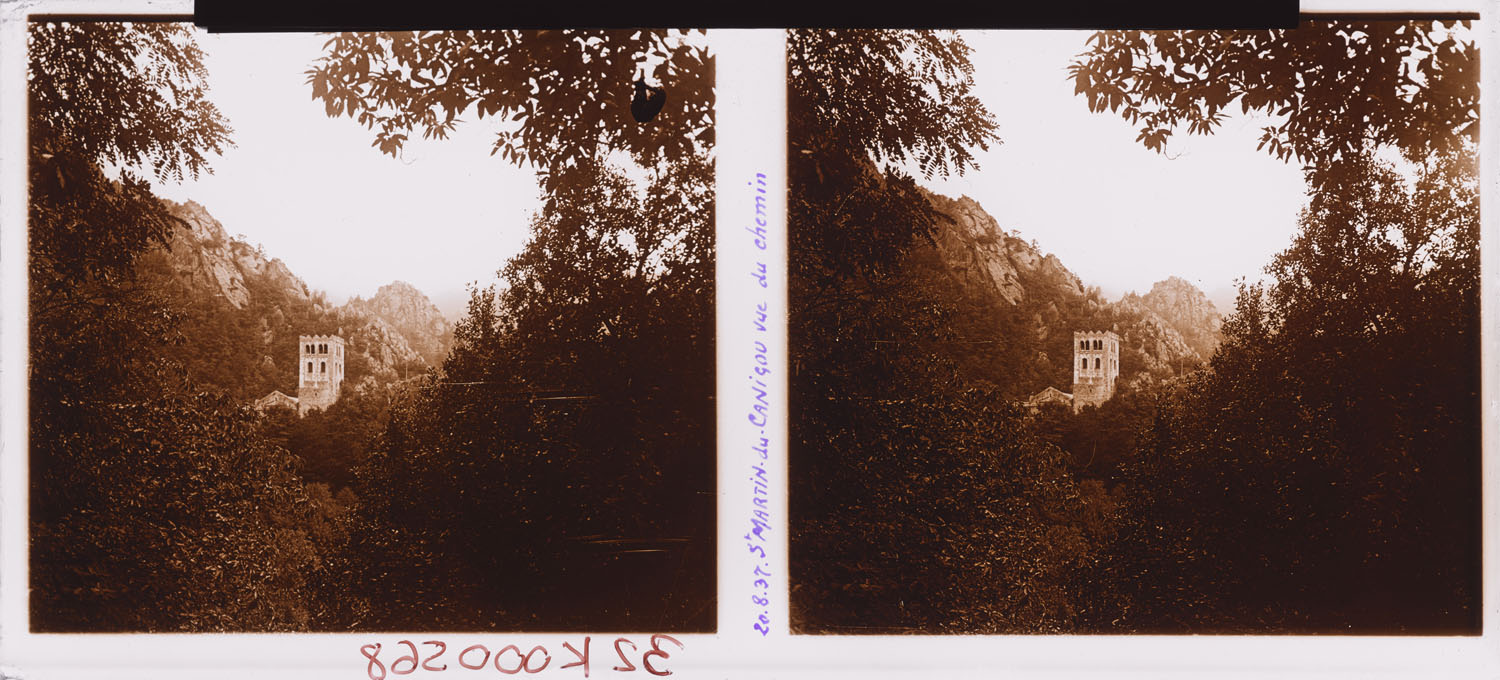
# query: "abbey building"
1096,367
320,376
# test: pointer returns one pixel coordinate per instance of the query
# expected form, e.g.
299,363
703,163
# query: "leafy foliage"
854,99
168,516
154,72
568,442
1324,474
331,443
1320,474
920,501
913,90
1101,440
936,514
564,95
153,505
1338,87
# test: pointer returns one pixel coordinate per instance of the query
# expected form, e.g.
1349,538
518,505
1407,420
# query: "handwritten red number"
370,652
547,659
412,657
471,648
656,651
628,666
583,659
520,659
442,647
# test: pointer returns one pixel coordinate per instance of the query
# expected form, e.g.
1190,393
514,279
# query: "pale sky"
1117,214
343,216
348,219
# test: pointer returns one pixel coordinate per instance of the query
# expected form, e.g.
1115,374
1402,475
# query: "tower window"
1085,365
309,367
1096,362
322,367
1083,344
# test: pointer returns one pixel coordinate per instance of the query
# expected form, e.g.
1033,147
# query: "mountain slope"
405,311
986,257
242,312
1187,310
1040,303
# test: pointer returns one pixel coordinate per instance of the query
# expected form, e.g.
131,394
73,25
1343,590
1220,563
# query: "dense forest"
1317,471
484,479
1310,466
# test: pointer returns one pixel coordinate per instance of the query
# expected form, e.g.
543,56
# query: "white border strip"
751,138
751,108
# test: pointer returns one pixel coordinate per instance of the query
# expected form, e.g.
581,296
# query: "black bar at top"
350,15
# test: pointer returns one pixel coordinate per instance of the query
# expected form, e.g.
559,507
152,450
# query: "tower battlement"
320,371
1096,366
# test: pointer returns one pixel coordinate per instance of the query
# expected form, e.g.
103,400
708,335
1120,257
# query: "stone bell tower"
320,371
1096,365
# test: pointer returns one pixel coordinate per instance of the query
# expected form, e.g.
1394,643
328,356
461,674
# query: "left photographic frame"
368,332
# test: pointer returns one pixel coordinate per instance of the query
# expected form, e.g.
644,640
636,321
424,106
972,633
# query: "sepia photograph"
368,331
392,340
1136,332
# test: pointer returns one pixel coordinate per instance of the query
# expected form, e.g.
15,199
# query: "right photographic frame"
1136,332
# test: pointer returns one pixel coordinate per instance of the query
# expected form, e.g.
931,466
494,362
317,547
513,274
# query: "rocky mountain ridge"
1184,308
204,255
399,308
986,256
391,335
1170,328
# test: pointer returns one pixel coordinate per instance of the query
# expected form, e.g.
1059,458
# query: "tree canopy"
152,72
1337,87
858,104
1319,474
1322,473
567,442
562,98
138,103
154,505
920,501
891,94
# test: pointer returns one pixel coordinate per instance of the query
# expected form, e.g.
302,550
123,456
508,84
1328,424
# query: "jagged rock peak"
1184,308
978,250
204,255
401,304
1174,291
401,307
